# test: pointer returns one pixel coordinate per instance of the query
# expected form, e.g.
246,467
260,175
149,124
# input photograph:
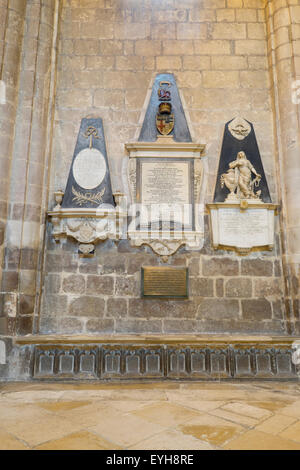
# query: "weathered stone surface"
147,308
135,262
277,268
9,281
25,325
48,324
70,262
220,287
26,304
278,309
100,326
265,288
75,284
12,258
256,267
127,286
216,309
53,262
116,308
219,267
177,326
201,287
100,285
194,266
256,309
2,228
111,263
54,305
87,306
238,288
138,326
70,325
52,283
88,266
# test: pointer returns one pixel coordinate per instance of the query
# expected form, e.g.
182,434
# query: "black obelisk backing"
230,148
149,131
82,143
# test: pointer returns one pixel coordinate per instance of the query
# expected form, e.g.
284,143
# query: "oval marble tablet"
89,168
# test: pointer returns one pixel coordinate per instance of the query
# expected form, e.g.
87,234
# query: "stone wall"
98,58
109,53
103,294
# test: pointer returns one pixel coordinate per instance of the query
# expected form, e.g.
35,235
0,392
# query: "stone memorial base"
154,357
242,225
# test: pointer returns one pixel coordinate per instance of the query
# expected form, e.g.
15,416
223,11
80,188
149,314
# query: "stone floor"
176,415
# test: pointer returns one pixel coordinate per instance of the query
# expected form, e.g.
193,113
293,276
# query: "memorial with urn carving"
149,223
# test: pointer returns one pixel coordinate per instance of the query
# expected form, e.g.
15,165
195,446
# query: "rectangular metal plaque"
166,282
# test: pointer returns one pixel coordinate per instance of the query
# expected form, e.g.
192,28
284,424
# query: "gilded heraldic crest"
165,119
164,116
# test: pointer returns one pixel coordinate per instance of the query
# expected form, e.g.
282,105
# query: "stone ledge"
182,340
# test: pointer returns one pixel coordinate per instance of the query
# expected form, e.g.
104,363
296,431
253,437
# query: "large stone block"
268,287
180,326
219,267
25,325
54,305
129,325
103,285
201,287
135,262
116,307
87,306
70,325
10,280
112,263
238,288
256,267
256,309
191,31
168,63
229,31
176,47
127,286
231,63
86,47
217,309
221,79
26,304
146,308
100,326
75,283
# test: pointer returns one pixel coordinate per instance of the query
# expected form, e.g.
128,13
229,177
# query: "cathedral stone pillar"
12,15
283,23
28,190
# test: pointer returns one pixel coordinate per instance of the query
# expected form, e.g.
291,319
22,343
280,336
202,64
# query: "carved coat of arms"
164,119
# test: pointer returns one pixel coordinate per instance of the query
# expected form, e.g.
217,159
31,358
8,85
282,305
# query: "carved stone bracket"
163,245
88,226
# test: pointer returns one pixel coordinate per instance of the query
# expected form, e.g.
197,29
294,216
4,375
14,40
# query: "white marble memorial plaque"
165,191
89,168
165,183
244,228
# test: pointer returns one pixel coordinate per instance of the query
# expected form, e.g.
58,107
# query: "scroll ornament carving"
198,173
87,226
132,178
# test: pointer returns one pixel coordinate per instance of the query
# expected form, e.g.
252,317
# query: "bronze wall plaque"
165,282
